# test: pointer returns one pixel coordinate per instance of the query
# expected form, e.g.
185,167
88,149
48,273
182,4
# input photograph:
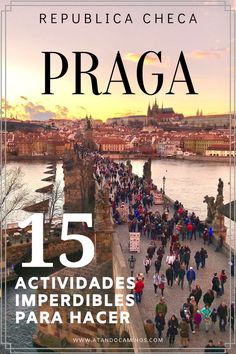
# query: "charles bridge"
83,194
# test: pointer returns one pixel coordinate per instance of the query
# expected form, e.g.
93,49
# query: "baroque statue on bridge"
147,174
220,187
211,208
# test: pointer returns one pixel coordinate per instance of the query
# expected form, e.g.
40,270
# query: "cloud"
150,59
61,111
128,113
205,54
38,111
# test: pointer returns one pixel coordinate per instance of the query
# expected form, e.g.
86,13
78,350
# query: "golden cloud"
203,54
150,59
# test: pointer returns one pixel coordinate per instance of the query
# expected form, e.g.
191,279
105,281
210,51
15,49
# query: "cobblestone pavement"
175,297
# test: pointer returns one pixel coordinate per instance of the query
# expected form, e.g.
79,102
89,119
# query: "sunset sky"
205,46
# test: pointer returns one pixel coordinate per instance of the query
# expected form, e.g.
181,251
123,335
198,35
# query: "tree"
14,194
55,203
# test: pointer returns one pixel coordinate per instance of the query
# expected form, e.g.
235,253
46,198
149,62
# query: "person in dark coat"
181,276
216,284
197,293
176,267
160,324
151,250
204,255
172,331
208,297
170,275
210,348
222,312
232,315
197,259
157,265
214,319
186,258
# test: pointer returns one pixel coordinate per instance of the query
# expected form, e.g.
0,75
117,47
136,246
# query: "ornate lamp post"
164,183
132,261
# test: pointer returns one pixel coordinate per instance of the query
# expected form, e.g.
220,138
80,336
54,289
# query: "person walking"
170,276
206,316
172,331
208,297
222,312
187,313
138,290
181,276
186,257
176,267
147,264
156,282
161,307
197,293
204,255
160,323
214,319
184,333
197,259
162,284
157,265
191,276
223,278
216,284
197,319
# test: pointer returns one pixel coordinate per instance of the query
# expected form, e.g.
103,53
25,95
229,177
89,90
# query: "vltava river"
186,181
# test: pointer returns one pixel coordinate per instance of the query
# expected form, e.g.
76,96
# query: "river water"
186,181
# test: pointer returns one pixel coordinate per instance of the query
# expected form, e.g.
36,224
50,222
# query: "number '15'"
37,240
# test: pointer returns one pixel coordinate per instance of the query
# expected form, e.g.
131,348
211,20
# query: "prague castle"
161,114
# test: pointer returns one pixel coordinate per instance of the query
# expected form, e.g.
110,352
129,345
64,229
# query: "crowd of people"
170,238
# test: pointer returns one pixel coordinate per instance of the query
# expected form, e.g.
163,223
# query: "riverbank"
195,158
39,158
